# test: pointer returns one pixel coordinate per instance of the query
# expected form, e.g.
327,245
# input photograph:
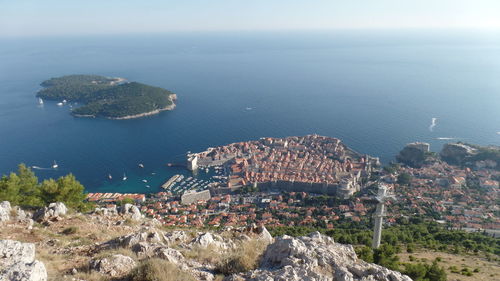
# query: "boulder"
5,211
17,262
261,233
315,257
131,240
53,212
21,215
175,237
207,239
169,254
113,266
132,211
109,211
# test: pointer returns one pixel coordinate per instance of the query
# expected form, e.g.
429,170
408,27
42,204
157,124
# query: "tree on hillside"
23,189
66,189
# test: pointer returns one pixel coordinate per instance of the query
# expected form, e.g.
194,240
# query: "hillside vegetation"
24,189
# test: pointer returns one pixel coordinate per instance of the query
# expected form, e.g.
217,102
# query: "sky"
75,17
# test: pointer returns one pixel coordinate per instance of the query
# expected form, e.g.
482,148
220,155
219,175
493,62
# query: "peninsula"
113,98
309,163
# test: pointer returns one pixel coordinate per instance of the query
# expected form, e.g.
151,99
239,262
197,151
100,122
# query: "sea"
375,90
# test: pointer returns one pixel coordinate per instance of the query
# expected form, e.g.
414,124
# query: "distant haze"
63,17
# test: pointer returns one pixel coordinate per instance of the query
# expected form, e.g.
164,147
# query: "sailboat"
40,101
124,177
55,166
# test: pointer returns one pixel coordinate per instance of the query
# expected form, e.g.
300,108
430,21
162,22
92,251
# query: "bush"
159,270
365,253
70,230
422,271
410,248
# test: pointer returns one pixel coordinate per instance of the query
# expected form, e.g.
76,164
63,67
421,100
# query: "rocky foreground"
120,244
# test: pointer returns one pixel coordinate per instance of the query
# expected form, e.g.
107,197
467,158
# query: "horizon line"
222,31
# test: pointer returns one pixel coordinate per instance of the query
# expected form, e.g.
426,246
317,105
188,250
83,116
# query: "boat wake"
433,124
41,168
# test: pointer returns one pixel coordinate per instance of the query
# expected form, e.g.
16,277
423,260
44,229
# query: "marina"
200,180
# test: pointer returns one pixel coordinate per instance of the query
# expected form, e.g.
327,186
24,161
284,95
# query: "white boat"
141,165
124,177
110,177
64,101
60,104
40,101
145,180
55,166
148,186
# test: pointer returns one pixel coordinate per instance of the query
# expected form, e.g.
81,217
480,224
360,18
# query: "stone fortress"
310,163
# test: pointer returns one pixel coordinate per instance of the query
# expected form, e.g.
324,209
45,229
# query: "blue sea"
375,90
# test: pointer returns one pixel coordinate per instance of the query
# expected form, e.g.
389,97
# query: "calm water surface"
375,91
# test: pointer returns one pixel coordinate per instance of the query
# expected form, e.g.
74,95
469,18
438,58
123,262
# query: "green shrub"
70,230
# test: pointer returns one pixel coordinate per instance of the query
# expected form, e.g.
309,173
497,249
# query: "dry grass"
116,251
89,276
210,254
246,257
159,270
488,270
57,265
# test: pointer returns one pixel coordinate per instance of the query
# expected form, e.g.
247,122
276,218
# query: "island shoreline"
172,106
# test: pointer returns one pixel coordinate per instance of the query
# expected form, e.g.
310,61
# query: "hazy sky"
54,17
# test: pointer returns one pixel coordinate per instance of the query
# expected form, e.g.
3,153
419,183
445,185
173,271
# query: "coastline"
170,107
172,98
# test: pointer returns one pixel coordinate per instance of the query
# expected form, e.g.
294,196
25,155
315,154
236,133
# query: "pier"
171,181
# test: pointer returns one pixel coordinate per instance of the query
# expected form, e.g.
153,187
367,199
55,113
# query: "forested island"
107,97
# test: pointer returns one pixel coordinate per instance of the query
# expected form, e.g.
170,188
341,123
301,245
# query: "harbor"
199,180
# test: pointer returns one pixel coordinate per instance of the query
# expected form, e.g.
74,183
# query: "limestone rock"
207,239
114,266
109,211
262,233
171,255
130,240
17,262
34,271
132,211
316,258
175,237
21,215
5,211
53,212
